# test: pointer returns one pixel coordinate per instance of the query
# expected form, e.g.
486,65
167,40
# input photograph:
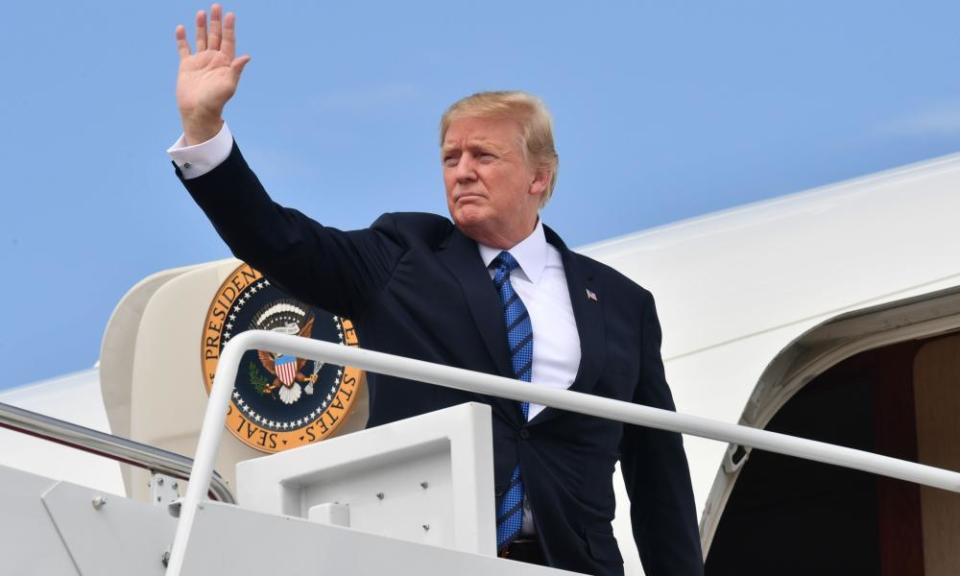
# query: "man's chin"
467,217
472,225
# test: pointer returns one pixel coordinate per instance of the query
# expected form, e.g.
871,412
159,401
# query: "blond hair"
535,124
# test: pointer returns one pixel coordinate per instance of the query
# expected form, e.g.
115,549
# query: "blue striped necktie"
520,341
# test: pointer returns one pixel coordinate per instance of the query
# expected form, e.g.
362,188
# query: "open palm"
207,78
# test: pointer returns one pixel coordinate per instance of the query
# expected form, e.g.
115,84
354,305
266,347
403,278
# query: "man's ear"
541,180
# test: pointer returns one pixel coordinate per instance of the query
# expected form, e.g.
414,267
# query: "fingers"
238,64
201,31
182,47
215,34
221,34
229,45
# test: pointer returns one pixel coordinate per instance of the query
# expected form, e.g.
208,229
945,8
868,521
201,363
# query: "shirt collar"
530,253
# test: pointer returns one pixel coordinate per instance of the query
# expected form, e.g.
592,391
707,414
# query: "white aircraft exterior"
758,304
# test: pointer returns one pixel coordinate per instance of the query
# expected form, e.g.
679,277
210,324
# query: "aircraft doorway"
787,516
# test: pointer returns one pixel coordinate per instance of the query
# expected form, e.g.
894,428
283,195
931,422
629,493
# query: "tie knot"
505,262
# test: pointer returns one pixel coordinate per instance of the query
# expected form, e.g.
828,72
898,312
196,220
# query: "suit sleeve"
655,471
336,270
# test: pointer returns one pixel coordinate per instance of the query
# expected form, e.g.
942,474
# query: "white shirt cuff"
198,159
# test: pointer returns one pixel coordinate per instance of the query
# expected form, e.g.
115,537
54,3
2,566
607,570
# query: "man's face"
493,193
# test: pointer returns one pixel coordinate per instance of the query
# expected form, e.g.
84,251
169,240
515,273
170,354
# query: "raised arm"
207,78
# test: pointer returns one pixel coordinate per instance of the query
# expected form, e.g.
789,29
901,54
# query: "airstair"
414,496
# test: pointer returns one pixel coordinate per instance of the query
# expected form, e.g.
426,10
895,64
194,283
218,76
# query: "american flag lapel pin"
591,295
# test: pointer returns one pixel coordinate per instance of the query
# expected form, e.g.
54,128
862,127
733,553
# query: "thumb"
239,63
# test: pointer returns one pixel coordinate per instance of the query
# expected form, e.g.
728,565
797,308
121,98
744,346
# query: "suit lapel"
462,257
588,312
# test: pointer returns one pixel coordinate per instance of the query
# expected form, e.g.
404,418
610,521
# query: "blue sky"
663,110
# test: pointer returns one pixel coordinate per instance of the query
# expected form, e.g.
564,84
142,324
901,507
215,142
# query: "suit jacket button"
524,433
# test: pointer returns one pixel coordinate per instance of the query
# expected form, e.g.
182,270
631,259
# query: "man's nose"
466,169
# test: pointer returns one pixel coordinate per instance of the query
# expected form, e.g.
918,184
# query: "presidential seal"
279,401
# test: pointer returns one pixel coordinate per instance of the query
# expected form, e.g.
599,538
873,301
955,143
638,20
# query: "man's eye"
449,160
486,156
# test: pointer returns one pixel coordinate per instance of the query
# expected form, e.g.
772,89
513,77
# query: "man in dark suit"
493,291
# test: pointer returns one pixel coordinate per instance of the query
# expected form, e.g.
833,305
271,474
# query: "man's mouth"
467,196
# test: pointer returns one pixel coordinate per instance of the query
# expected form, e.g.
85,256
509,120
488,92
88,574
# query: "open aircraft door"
882,379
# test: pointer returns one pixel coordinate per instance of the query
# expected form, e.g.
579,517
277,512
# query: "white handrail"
461,379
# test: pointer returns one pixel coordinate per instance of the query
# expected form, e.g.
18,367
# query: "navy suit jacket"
415,286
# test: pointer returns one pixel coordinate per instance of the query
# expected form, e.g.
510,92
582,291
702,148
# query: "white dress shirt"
198,159
539,280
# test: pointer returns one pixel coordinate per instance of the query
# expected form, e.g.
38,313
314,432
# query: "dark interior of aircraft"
787,516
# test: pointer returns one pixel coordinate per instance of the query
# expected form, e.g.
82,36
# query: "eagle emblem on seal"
279,401
287,369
